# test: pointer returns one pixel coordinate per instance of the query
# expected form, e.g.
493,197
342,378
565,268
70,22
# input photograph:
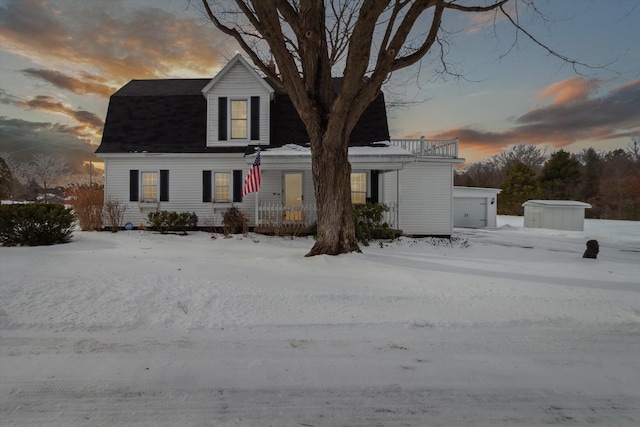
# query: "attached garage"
555,214
475,207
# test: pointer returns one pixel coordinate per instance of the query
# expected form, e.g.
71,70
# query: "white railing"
429,147
277,215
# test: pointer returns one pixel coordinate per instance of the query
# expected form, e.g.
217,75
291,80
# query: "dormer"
238,106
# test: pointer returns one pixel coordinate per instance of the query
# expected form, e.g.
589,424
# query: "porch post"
398,199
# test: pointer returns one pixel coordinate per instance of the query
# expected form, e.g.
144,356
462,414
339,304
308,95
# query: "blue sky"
61,59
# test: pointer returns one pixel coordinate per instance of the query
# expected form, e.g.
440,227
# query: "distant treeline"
609,181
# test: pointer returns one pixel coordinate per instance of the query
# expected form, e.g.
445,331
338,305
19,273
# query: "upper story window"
239,118
359,188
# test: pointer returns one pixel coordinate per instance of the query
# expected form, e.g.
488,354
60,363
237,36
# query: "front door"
293,196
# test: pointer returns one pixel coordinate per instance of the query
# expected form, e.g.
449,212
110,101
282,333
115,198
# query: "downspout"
398,198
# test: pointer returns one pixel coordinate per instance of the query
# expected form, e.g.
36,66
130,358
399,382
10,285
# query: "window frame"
143,186
214,187
231,120
359,192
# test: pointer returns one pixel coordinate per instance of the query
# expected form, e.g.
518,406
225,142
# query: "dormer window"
239,118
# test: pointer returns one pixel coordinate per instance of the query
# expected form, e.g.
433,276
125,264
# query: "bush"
165,221
235,221
114,210
368,222
35,224
87,202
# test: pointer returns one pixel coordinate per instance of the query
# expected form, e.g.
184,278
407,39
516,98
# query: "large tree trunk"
332,184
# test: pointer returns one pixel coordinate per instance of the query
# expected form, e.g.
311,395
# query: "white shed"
475,207
555,214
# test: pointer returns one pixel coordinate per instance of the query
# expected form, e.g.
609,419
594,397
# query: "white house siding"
425,198
185,185
237,82
555,214
388,190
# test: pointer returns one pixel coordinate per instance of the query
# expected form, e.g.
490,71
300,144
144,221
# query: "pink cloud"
570,90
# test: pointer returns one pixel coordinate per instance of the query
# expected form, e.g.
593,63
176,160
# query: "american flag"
252,180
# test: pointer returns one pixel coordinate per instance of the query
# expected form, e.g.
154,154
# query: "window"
149,186
358,188
222,186
239,118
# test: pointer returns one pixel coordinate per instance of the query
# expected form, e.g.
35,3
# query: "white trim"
230,64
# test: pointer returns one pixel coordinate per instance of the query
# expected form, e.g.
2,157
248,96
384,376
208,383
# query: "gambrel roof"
170,116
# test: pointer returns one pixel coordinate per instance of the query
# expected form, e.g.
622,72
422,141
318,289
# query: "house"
475,207
555,214
186,145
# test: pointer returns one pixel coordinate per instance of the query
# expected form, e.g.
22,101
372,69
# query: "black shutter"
164,185
206,186
133,185
255,118
222,118
374,186
237,186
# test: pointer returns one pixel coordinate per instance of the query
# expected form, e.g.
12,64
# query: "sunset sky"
61,59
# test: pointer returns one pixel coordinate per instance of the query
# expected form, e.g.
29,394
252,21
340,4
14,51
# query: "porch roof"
380,152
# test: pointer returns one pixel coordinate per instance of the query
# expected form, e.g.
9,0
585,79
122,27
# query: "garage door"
469,212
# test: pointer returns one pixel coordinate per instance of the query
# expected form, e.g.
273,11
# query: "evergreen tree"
519,186
6,180
560,176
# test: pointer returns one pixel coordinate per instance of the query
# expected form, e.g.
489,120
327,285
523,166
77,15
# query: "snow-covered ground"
507,326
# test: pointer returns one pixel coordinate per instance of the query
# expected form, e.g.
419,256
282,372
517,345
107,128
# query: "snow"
504,326
382,148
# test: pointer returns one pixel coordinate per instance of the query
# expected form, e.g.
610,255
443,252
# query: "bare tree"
530,155
364,41
633,148
46,171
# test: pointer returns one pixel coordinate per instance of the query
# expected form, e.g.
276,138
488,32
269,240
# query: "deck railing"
429,147
278,215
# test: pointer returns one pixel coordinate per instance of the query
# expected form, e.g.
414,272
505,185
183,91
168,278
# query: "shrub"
35,224
165,221
235,221
368,222
114,210
87,202
286,222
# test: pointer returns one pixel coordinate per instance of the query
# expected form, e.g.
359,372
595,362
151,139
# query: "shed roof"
557,203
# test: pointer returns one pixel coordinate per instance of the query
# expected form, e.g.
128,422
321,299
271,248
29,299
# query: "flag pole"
257,211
